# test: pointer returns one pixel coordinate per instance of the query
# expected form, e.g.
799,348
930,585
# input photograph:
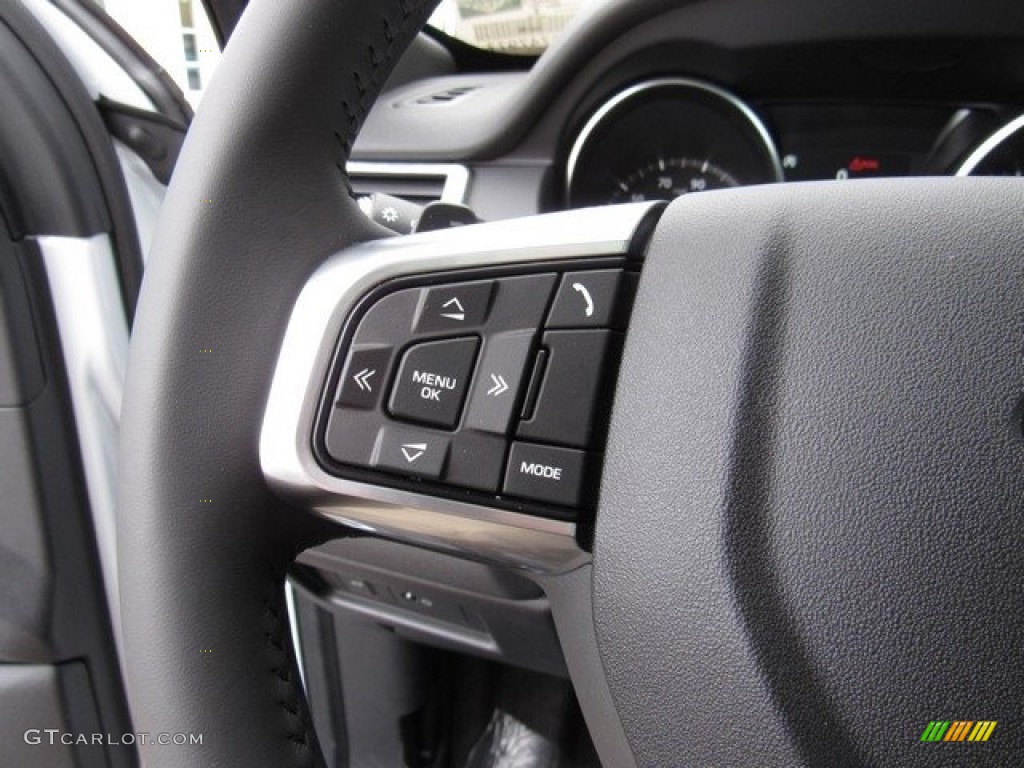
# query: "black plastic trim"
47,183
156,139
43,62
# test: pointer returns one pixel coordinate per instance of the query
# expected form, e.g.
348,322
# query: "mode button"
546,473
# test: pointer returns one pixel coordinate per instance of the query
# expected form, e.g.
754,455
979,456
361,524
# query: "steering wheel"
807,546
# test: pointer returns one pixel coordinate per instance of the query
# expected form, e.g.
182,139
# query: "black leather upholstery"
259,198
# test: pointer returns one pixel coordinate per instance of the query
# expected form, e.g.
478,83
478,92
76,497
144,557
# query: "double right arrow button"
499,376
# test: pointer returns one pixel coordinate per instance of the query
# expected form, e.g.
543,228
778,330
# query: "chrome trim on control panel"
290,598
988,146
286,450
456,177
86,297
620,98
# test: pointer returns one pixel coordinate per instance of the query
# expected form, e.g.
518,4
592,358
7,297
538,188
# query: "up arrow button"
454,307
455,310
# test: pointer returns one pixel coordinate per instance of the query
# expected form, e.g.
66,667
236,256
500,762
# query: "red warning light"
862,164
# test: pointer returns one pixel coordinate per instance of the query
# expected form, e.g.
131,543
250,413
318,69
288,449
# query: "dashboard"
650,100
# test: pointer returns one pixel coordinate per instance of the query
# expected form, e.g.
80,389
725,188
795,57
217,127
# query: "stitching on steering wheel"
299,727
411,12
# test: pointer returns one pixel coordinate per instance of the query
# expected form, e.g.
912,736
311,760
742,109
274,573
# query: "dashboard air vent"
419,183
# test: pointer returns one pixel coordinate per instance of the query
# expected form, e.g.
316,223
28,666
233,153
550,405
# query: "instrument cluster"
661,138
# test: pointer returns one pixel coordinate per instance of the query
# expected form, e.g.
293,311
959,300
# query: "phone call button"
592,299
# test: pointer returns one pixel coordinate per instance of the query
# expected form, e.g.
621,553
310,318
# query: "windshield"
509,26
176,33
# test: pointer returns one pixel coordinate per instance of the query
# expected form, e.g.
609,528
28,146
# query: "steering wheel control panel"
482,387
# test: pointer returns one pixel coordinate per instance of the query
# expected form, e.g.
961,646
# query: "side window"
177,33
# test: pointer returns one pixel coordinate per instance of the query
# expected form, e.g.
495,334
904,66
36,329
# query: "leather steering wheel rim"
260,197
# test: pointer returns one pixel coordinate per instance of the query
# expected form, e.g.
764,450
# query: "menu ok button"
432,381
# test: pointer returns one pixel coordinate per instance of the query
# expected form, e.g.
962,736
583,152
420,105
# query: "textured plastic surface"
809,541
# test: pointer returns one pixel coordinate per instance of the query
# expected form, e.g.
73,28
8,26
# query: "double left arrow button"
364,377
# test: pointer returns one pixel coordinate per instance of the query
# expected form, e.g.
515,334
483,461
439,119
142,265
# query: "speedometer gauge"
664,138
668,179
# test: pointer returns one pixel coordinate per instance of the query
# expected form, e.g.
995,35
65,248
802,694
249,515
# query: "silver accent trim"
988,146
456,177
616,101
290,599
483,533
93,330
